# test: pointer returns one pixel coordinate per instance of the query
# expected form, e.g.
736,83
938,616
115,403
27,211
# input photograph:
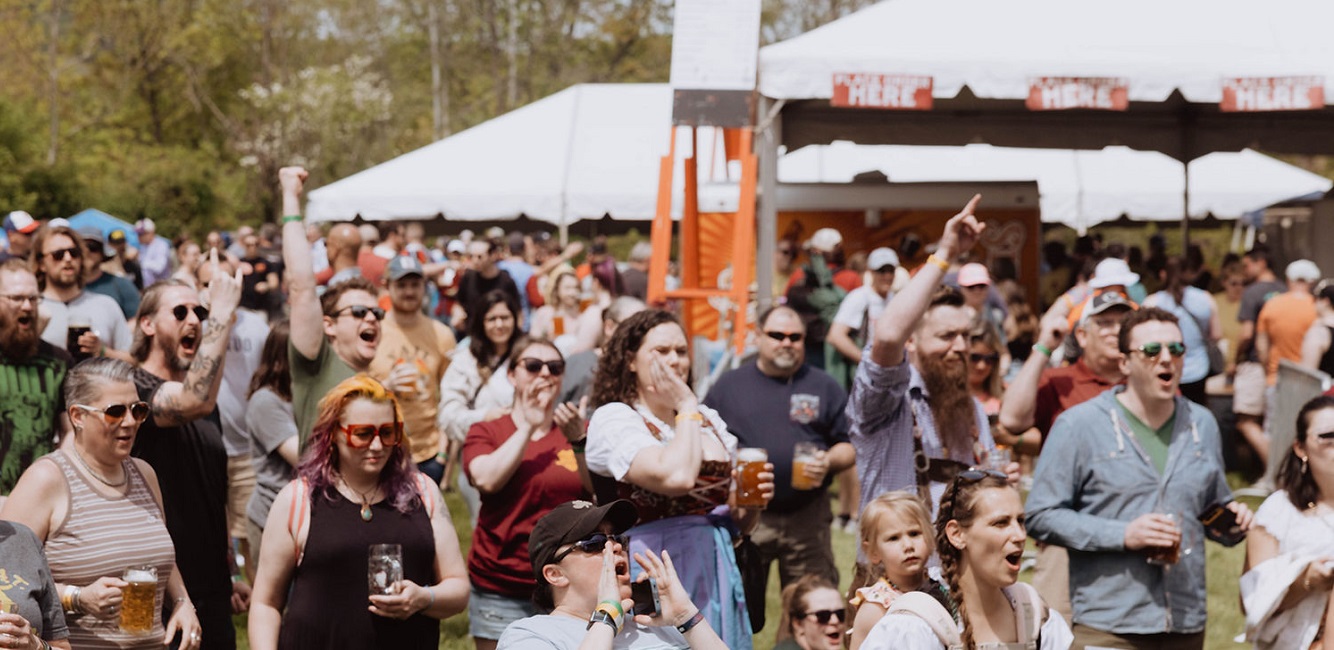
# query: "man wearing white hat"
1282,324
154,253
816,289
19,227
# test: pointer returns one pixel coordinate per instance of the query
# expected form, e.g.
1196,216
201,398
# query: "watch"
601,616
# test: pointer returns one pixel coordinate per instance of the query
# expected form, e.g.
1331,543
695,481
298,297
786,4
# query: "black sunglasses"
974,475
181,312
359,312
823,616
1155,348
114,413
556,367
989,358
64,254
795,337
592,544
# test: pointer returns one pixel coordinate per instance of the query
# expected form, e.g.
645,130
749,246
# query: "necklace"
366,513
124,479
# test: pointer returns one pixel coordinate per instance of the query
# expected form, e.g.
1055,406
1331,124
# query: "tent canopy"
104,222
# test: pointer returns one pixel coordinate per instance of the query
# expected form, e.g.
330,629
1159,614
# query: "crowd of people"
254,420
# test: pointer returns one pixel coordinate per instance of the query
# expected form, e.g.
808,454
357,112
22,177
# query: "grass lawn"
1224,570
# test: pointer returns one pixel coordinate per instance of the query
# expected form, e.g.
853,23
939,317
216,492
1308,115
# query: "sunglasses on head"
989,358
592,544
114,413
181,312
556,367
1155,348
974,475
795,337
359,312
361,435
64,254
823,616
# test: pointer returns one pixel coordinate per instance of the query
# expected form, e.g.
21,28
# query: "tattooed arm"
180,402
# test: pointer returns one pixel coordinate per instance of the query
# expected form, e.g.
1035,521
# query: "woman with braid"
980,540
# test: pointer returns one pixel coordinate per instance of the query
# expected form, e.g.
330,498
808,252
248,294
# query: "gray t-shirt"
25,580
102,313
270,423
1252,300
243,351
545,632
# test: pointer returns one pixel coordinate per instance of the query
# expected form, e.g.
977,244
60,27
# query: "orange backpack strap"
296,514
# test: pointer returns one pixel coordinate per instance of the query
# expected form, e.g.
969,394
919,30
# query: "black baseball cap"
572,521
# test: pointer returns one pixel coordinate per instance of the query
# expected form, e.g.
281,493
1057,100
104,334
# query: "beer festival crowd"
266,422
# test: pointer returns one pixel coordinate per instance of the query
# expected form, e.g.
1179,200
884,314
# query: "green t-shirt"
312,379
1155,443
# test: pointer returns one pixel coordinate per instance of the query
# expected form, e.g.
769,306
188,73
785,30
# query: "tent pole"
770,134
1185,209
564,232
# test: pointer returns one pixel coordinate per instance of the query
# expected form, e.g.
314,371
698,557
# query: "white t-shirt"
861,302
565,633
244,349
617,433
102,312
902,631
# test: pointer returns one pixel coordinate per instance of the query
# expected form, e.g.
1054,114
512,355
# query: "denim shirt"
1093,479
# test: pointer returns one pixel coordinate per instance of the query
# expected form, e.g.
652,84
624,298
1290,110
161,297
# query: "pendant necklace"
366,513
97,475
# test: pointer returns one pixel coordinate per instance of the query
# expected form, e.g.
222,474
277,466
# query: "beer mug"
384,569
138,599
750,462
803,453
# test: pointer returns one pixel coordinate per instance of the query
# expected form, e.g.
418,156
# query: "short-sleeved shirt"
26,581
191,466
546,477
553,632
617,433
244,347
34,398
473,286
102,312
861,305
427,346
1285,318
312,379
1253,298
119,289
1062,388
261,267
776,414
270,423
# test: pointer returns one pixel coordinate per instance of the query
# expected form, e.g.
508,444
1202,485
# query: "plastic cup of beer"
138,599
558,325
803,453
1167,555
384,569
1000,458
750,462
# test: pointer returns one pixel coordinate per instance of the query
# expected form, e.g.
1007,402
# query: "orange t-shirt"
1285,318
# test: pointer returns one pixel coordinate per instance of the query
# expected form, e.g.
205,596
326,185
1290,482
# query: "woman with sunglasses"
815,616
356,487
651,442
98,512
524,466
1288,550
980,542
984,367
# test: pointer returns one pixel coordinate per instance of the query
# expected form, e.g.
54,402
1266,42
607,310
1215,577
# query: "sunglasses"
592,544
1325,439
989,358
795,337
1155,348
64,254
361,435
823,616
359,312
181,312
114,413
974,475
556,367
784,251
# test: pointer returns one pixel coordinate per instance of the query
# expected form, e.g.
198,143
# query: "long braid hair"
957,504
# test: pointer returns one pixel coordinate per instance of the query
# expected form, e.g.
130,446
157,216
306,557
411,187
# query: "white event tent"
593,150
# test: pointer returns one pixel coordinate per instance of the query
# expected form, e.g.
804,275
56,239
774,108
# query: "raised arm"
306,317
901,315
1018,409
176,403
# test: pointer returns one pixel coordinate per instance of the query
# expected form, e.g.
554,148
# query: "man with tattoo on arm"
180,339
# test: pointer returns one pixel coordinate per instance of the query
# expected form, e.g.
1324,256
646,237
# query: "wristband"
620,611
1044,350
940,263
690,415
441,457
431,593
289,218
690,624
579,445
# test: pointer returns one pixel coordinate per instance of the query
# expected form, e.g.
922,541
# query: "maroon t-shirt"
546,477
1062,388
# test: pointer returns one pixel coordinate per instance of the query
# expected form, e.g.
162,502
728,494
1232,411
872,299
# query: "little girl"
898,540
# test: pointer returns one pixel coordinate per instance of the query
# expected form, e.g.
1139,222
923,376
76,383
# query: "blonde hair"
906,505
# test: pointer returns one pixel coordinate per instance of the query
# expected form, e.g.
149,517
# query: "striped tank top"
102,536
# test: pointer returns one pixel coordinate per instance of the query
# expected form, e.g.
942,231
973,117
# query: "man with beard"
98,281
32,376
913,421
333,336
57,259
776,403
179,344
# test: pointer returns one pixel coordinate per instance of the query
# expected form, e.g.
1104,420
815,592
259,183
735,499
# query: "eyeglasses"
112,414
20,298
556,367
1154,348
181,312
823,616
63,254
359,312
361,435
592,544
795,337
989,358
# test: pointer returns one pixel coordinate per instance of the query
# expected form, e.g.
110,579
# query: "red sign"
1063,93
865,90
1253,94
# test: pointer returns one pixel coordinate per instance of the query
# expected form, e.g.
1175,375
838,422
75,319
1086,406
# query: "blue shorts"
490,613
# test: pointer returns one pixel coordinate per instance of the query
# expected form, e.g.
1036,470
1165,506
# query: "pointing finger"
972,204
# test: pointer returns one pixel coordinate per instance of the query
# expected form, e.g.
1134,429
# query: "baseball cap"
20,221
825,240
572,521
145,225
882,257
93,234
456,246
1303,271
1105,301
404,265
1113,272
117,236
973,274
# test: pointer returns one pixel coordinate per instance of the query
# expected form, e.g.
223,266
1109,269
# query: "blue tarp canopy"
104,222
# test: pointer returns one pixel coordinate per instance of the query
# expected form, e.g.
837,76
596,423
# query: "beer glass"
77,326
750,462
138,599
1000,458
558,325
384,569
1167,555
803,453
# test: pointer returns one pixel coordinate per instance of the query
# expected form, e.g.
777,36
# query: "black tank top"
328,605
1327,359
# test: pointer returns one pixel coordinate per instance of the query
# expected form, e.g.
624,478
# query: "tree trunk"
53,85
